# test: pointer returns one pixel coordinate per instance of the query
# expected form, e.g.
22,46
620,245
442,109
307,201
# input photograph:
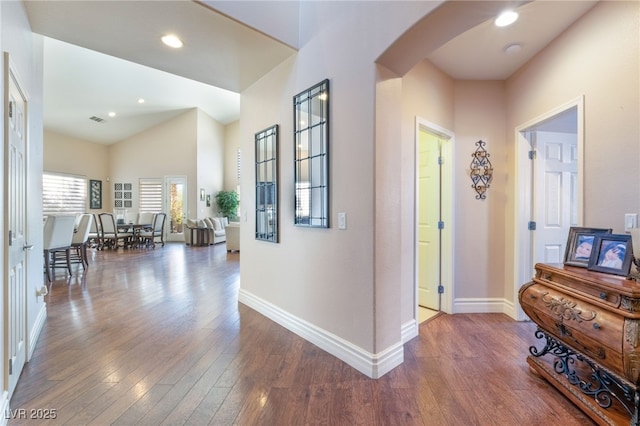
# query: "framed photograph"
612,253
95,194
579,245
208,200
201,194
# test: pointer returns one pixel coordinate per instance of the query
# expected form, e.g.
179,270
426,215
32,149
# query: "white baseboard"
483,306
371,365
409,330
4,404
35,331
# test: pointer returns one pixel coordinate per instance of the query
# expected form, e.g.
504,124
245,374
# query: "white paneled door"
429,188
15,228
556,208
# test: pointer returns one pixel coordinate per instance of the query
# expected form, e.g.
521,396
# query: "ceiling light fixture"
112,114
172,41
140,101
512,48
507,17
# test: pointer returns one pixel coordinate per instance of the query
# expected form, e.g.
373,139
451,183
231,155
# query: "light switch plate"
630,221
342,221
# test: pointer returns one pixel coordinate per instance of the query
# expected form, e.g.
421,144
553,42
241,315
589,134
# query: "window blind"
63,194
150,190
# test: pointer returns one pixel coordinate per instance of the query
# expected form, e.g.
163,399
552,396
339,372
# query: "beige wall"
580,62
231,146
598,58
191,145
64,154
210,164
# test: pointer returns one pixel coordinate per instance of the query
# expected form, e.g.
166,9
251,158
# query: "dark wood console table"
589,328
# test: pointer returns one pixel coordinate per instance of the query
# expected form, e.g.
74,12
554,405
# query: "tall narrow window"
150,190
311,156
267,184
63,194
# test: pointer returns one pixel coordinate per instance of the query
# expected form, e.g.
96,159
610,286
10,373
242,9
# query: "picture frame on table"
95,194
580,244
612,253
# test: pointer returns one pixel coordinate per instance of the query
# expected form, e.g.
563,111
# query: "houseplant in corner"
228,204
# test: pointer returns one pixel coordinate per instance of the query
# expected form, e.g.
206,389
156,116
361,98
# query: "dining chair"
149,236
78,253
58,235
94,233
110,235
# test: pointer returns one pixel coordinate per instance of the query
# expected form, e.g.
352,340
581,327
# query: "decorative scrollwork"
566,309
602,385
481,170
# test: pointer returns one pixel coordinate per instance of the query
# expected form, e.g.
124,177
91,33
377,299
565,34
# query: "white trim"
4,406
483,306
369,364
447,273
523,241
409,330
35,331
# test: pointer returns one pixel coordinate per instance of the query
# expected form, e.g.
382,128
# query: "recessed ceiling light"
140,101
172,41
112,114
507,17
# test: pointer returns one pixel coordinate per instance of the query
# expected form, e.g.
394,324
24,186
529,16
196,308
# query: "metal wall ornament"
481,170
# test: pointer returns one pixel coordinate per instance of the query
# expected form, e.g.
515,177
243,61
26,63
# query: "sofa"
214,230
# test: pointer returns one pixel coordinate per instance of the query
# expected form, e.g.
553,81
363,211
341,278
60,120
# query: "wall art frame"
267,176
95,194
311,156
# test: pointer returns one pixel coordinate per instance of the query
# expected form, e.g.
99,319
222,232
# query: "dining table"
134,229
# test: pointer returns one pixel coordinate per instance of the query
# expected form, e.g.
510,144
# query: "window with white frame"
150,191
63,194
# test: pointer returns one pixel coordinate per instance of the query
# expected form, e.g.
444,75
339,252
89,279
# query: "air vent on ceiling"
96,119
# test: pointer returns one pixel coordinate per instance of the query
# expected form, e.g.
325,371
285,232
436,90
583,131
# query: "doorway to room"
433,220
550,184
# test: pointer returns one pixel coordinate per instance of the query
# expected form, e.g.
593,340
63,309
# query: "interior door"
429,187
556,210
176,198
15,227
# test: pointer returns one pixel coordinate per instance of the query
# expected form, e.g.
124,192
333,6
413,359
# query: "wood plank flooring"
154,337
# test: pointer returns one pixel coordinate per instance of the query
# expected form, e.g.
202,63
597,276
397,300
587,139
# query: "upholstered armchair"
232,232
219,225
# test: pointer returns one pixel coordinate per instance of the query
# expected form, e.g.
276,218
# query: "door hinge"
531,226
440,161
532,155
10,236
440,289
440,225
11,109
10,366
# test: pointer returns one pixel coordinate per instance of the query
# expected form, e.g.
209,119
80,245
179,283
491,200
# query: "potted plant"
228,204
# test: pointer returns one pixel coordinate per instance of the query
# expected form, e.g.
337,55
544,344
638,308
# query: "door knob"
27,247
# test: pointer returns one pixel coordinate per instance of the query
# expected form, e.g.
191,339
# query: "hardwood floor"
156,337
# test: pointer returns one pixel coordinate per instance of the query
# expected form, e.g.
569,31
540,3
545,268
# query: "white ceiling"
221,57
